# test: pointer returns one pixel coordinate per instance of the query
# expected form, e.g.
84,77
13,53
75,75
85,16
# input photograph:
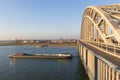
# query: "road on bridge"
102,53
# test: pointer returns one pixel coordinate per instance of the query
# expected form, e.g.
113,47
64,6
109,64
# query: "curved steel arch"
101,23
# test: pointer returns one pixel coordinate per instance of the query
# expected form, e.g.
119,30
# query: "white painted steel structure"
99,44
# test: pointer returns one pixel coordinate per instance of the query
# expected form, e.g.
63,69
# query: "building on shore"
47,41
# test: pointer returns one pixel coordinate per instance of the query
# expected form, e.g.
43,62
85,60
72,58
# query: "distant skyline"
44,19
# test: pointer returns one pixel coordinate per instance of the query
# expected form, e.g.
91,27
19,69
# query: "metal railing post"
114,48
106,46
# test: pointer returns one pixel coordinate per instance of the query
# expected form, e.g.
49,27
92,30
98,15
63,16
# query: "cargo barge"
31,56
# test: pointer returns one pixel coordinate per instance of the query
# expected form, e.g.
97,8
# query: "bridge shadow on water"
82,75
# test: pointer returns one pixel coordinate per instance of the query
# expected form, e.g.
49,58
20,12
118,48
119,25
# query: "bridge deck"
104,54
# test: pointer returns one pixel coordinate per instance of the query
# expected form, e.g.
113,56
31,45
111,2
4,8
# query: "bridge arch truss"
101,24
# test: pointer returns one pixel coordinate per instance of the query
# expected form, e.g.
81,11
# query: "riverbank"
74,45
64,44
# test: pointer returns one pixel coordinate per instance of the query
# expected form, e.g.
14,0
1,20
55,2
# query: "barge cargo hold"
47,56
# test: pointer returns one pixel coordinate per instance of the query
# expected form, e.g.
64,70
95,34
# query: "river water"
40,69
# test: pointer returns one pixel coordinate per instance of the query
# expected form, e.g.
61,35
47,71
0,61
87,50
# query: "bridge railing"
107,47
110,71
105,69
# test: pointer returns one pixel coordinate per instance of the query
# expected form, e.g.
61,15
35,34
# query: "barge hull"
41,57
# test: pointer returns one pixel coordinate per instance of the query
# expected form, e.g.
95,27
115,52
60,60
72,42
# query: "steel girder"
101,23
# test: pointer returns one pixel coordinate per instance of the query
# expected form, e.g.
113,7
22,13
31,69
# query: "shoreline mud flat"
74,45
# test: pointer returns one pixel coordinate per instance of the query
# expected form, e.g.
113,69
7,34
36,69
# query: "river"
40,69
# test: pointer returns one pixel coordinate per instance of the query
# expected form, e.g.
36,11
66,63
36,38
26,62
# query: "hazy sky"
43,19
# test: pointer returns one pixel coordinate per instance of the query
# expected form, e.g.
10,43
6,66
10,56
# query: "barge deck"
51,56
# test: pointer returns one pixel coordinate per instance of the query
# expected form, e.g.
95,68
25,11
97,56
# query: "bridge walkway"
105,54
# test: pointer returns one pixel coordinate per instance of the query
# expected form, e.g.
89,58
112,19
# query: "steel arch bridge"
101,23
99,44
